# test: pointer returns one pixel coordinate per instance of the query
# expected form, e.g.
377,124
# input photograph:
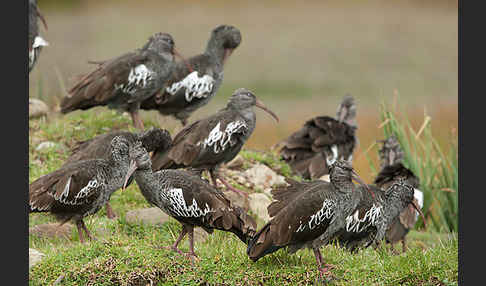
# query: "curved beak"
177,54
131,169
227,54
358,179
42,18
260,104
414,204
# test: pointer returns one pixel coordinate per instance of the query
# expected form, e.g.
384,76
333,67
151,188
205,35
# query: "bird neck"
394,206
215,49
147,182
342,184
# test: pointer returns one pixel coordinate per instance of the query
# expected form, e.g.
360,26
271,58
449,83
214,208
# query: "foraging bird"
375,212
193,86
81,188
36,42
125,81
304,150
391,156
209,142
99,148
308,214
189,199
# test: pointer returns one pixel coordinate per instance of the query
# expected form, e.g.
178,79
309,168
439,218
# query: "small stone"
37,108
151,216
200,235
52,230
35,257
325,178
236,163
258,205
263,177
237,200
45,145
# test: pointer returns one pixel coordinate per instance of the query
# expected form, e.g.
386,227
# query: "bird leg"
324,270
80,230
109,211
137,122
191,253
228,186
173,247
183,122
87,231
404,245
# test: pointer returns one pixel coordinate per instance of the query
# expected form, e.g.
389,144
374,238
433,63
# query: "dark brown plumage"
305,150
123,82
81,188
211,141
193,86
391,156
308,214
190,200
99,148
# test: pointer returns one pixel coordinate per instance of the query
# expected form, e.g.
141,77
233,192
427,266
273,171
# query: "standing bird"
189,199
305,149
36,42
123,82
308,214
191,87
81,188
99,148
209,142
391,156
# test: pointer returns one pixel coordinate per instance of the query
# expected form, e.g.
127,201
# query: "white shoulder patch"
419,196
39,42
199,87
179,207
325,213
355,224
138,78
219,139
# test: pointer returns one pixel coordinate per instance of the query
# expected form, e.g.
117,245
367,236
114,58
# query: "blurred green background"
299,57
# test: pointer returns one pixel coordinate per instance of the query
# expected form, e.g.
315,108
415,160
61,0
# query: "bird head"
242,98
163,44
347,111
119,148
226,37
404,193
155,139
341,171
139,160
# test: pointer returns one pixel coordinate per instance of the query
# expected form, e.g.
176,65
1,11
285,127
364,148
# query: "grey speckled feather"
183,94
306,150
36,42
81,188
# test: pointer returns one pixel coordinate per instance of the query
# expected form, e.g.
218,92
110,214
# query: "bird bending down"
193,85
392,169
189,199
81,188
99,148
36,42
308,214
305,149
123,82
211,141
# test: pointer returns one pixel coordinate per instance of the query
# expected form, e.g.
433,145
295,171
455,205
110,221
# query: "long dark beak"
42,18
177,54
260,104
414,204
227,54
131,170
358,179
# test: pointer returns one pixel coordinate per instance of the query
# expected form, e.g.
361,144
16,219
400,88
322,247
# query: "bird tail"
261,244
237,222
391,152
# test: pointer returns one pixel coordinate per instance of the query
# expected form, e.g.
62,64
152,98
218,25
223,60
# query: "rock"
200,235
52,230
35,257
152,216
263,177
236,163
238,200
37,108
45,145
258,205
325,178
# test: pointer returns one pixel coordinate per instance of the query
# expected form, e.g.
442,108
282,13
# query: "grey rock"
237,162
263,177
152,216
325,178
52,230
35,257
258,205
200,235
238,200
45,145
37,108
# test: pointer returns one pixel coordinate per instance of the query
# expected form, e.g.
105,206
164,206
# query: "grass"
127,254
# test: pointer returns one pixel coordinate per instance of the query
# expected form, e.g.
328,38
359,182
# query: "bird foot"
111,215
173,248
192,256
325,272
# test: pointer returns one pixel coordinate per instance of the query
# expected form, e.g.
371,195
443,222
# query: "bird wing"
126,73
74,184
